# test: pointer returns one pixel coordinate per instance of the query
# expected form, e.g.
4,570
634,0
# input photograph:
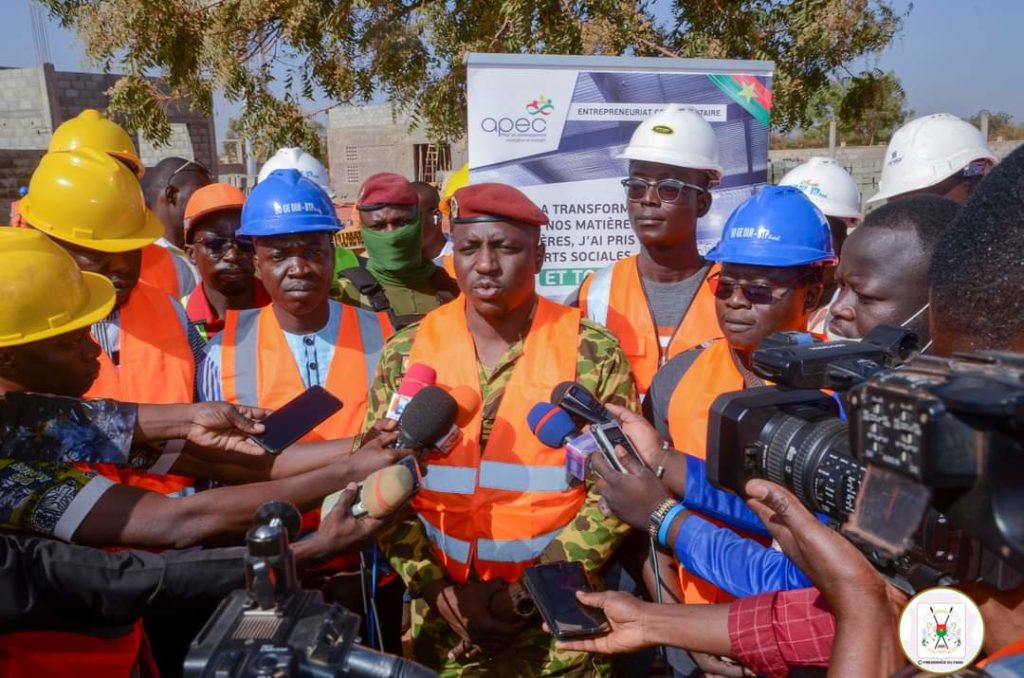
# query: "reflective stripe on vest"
258,368
519,478
156,367
614,297
456,549
713,373
452,479
497,509
514,550
599,296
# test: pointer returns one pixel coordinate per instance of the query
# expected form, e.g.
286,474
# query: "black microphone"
580,403
428,419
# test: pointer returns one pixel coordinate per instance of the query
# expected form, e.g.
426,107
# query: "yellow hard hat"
87,198
91,129
44,292
456,180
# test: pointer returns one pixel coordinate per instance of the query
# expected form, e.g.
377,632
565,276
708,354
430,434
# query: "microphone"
381,493
586,409
416,378
555,428
580,403
428,421
551,424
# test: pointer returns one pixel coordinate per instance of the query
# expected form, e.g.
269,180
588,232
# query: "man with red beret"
396,276
498,502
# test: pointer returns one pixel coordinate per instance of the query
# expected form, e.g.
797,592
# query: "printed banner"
554,127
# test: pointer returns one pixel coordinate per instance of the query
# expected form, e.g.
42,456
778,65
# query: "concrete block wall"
24,109
863,162
35,101
16,168
363,140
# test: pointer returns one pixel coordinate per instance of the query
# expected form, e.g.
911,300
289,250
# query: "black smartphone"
553,588
296,418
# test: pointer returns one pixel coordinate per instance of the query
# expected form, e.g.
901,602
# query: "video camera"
274,628
928,475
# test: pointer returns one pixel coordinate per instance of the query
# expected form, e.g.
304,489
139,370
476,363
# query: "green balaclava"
396,257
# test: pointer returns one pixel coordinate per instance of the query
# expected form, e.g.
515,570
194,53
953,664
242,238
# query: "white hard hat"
297,159
828,186
928,150
677,137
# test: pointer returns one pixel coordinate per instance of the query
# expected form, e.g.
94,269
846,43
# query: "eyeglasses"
667,190
755,293
198,167
217,246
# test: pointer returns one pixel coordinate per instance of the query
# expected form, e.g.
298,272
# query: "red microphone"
416,377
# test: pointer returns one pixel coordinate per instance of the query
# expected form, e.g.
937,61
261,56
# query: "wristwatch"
658,515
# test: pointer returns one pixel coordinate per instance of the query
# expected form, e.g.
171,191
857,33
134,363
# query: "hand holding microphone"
382,493
428,421
416,378
588,410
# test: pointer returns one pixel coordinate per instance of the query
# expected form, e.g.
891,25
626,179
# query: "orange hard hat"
211,198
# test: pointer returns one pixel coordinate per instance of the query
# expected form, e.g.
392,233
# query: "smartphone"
296,418
608,434
553,588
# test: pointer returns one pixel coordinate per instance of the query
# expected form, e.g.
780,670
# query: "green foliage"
868,108
1000,125
273,56
809,41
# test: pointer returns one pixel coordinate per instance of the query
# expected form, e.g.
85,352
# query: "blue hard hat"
287,202
777,227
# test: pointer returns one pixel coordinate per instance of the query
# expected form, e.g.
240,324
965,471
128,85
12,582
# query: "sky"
953,56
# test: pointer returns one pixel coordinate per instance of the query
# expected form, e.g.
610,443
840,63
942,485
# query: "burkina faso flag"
748,92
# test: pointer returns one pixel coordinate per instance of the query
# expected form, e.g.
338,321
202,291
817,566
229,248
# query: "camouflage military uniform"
405,300
590,538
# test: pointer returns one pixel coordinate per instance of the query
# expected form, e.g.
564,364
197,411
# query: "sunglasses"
756,293
217,246
667,190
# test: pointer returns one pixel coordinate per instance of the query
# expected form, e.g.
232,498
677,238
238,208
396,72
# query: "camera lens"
808,452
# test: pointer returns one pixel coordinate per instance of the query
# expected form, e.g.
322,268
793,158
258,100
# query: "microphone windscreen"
427,418
416,377
558,392
468,402
553,426
384,491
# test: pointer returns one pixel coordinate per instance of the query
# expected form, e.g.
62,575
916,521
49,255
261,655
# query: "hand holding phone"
296,418
553,587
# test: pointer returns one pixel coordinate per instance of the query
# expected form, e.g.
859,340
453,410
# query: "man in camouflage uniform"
470,629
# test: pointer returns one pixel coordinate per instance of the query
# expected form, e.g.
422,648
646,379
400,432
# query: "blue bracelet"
666,522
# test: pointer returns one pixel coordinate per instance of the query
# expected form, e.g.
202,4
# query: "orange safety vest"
156,367
60,653
614,297
257,367
166,271
713,373
496,510
1014,648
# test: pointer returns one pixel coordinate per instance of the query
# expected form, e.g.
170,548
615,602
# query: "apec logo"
540,105
532,127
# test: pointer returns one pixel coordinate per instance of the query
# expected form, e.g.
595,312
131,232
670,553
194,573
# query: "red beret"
494,202
386,188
